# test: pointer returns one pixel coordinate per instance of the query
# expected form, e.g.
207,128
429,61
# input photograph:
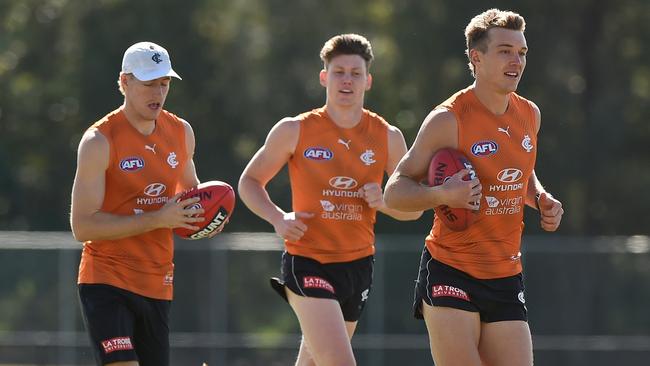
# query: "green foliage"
246,64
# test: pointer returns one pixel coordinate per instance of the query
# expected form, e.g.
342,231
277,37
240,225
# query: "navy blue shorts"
498,299
347,282
124,326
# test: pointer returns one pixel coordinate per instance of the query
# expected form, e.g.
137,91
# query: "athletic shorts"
495,300
124,326
347,282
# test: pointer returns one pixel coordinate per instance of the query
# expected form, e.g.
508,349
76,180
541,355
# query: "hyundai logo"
343,182
155,189
509,175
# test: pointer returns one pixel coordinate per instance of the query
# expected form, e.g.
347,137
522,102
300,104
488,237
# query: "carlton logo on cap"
147,61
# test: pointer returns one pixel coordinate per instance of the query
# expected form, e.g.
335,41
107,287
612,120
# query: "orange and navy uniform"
327,169
502,150
143,174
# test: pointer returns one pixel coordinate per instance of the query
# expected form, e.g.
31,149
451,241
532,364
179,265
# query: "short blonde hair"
476,32
119,82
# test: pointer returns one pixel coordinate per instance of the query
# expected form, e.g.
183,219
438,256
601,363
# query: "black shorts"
347,282
495,300
124,326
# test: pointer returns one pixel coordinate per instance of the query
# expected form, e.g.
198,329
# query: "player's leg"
442,299
325,334
453,335
110,324
505,335
506,343
304,356
151,332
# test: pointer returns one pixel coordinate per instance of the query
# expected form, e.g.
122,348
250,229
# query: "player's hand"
291,227
372,193
180,213
551,211
461,193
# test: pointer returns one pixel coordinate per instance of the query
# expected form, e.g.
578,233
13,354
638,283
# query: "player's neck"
144,126
494,100
344,117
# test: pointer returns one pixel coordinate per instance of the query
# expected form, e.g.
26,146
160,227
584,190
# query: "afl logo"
132,164
484,148
155,189
318,153
509,175
343,182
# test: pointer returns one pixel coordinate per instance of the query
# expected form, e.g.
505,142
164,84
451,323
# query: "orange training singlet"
502,150
327,169
142,174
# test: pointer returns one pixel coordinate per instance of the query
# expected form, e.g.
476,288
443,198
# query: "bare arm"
404,190
550,209
263,166
87,220
189,178
372,192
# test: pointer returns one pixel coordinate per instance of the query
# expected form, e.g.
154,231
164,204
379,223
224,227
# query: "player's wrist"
438,196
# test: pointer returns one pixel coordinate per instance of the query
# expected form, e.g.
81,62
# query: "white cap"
147,61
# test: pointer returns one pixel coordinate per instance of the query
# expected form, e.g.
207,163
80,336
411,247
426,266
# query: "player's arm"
189,178
278,148
87,220
404,190
550,209
372,192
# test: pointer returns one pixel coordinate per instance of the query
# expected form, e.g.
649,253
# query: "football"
218,201
445,163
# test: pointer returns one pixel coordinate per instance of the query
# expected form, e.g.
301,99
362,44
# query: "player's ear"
474,56
124,79
322,77
369,82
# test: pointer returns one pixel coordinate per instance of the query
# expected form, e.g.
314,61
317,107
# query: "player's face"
346,80
502,65
146,98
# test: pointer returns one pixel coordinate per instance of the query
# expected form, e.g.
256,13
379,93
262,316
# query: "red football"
218,201
445,163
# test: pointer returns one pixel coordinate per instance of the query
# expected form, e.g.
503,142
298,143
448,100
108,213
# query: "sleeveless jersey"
502,150
142,174
327,169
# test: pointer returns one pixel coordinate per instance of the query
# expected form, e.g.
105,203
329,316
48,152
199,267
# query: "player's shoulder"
109,120
172,118
523,103
312,116
440,117
93,142
459,98
517,98
286,129
376,119
289,123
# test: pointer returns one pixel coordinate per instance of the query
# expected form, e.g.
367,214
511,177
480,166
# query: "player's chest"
342,151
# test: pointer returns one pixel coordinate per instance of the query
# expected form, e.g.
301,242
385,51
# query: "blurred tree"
248,63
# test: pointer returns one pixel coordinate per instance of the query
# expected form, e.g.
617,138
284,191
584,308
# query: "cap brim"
156,74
